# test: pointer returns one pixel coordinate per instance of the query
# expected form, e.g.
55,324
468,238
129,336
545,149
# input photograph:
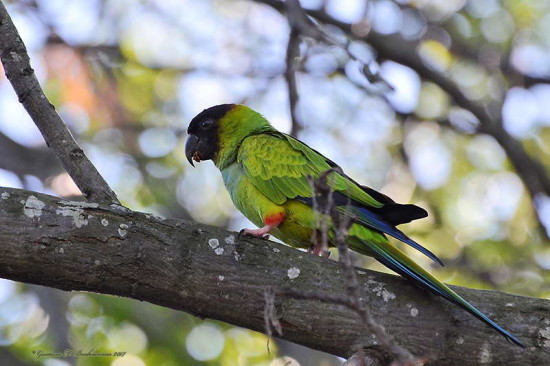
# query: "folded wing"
279,166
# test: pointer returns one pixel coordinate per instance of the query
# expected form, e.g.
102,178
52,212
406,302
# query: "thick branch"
21,75
205,271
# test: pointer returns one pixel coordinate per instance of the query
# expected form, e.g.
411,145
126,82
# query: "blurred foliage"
128,76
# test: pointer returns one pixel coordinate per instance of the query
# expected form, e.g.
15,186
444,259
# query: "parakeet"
266,174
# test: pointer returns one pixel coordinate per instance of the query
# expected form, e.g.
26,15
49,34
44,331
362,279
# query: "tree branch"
290,77
21,75
323,204
22,160
205,271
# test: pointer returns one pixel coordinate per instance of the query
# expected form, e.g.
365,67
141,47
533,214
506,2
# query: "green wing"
279,166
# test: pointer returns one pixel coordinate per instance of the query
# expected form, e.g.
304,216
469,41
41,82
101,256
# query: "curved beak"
191,148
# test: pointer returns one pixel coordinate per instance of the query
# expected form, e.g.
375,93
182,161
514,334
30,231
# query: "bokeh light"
205,342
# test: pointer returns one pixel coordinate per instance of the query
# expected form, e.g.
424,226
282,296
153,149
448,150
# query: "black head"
202,143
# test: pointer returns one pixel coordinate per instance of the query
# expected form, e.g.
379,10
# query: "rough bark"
206,271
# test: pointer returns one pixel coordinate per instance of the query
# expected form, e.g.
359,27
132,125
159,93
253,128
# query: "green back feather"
279,166
237,124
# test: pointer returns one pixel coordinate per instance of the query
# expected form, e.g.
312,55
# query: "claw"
240,234
262,233
319,250
255,233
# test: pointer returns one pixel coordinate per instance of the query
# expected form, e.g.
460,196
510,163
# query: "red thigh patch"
274,219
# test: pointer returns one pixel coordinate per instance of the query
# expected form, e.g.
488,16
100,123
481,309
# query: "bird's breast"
246,197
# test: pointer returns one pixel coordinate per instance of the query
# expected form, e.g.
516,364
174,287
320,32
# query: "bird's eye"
206,124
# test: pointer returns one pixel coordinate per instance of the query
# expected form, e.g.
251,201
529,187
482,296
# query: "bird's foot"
255,233
319,250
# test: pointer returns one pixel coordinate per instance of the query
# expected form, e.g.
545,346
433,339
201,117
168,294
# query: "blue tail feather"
374,221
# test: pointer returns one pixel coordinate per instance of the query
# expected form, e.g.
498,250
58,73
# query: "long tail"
372,220
398,261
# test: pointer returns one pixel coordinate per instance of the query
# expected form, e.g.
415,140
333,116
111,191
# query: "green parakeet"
266,173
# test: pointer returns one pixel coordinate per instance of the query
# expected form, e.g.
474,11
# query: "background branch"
21,75
395,48
292,52
22,160
203,270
